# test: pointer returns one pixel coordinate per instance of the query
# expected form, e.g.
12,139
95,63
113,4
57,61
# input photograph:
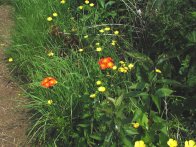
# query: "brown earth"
13,120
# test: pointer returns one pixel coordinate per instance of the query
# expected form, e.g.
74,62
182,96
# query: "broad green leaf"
140,57
102,3
163,92
194,14
137,115
118,101
164,130
192,37
131,131
126,142
157,102
141,117
144,120
169,82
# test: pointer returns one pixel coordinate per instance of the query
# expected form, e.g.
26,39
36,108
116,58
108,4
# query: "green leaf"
96,137
131,131
83,125
118,101
140,57
192,37
126,142
163,92
144,120
110,3
194,14
169,82
141,117
111,100
102,3
157,102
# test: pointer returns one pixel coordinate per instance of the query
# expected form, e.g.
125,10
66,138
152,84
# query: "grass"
137,94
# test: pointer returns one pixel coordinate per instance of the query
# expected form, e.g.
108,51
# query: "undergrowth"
106,72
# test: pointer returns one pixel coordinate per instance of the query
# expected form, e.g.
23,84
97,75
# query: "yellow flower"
91,5
136,125
86,36
101,31
50,102
139,144
107,29
99,49
49,18
114,67
50,54
157,70
81,50
63,2
98,83
116,32
80,7
113,42
55,14
10,59
131,66
172,143
101,89
190,143
122,62
123,69
126,68
86,2
97,44
93,95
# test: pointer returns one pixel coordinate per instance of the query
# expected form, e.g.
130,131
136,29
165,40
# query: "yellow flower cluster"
173,143
50,17
190,143
113,42
106,29
87,2
124,67
99,89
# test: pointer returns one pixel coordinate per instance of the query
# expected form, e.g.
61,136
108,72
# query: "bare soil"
13,120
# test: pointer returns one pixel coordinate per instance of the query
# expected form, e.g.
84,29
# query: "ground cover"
13,120
107,73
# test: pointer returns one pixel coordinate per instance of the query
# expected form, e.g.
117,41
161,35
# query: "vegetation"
107,72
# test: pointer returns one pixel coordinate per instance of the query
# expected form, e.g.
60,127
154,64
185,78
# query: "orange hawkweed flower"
105,63
48,82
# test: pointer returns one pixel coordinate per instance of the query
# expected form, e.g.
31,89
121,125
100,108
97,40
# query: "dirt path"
12,117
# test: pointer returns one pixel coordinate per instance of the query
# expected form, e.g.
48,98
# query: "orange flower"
48,82
105,63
